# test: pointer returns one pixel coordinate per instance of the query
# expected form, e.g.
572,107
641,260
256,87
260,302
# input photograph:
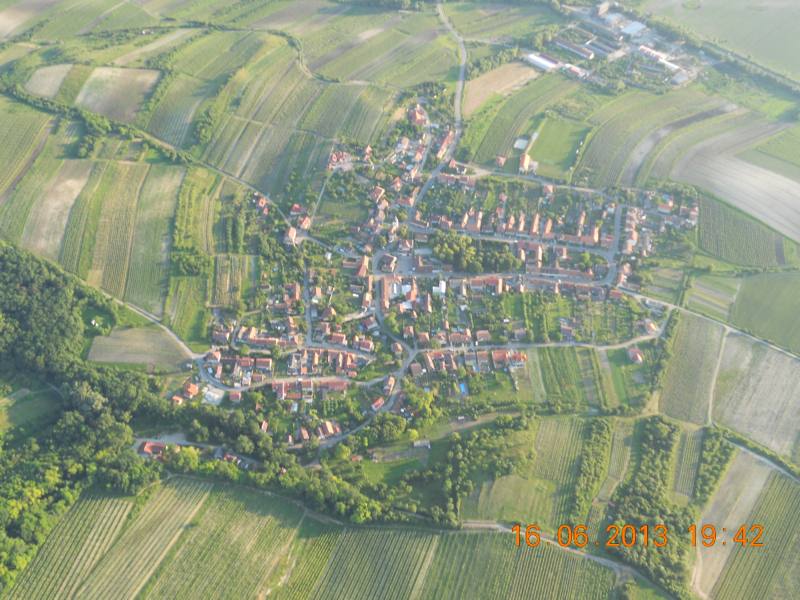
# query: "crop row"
136,554
687,462
734,237
73,548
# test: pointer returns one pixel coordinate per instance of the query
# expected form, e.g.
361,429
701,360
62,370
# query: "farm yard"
756,394
690,374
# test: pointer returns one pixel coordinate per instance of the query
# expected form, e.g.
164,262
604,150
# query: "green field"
26,403
764,33
496,22
690,373
765,306
190,538
542,487
185,310
556,146
22,130
686,461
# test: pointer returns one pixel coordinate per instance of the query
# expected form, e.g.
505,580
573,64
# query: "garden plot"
756,394
47,222
713,295
117,93
46,81
730,507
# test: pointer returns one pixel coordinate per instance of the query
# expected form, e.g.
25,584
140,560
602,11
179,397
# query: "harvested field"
115,92
46,81
150,346
756,394
47,222
690,375
730,507
503,80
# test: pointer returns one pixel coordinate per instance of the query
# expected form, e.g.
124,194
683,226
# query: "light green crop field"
690,373
498,22
765,306
765,33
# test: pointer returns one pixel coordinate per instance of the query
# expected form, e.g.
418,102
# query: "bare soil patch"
756,394
48,220
115,92
503,80
13,17
46,81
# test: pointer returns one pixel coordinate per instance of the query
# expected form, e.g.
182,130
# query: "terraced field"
690,374
631,126
756,394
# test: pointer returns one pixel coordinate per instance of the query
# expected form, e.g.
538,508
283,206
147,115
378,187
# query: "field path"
712,388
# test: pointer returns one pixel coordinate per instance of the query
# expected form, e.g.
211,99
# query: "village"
407,311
